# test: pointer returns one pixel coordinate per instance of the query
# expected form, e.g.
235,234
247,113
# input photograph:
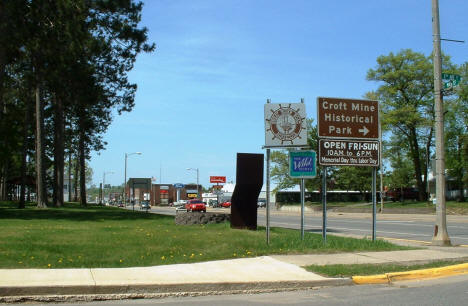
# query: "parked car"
145,205
180,203
213,203
403,194
195,205
121,204
226,204
261,203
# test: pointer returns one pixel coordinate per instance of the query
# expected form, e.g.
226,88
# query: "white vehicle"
180,203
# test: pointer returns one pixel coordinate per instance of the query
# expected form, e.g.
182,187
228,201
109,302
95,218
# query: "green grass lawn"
99,236
372,269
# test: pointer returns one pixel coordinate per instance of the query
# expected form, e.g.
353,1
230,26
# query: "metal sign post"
302,164
285,127
374,203
268,196
324,204
302,208
349,135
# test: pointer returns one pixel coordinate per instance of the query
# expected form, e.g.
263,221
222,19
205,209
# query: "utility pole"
440,237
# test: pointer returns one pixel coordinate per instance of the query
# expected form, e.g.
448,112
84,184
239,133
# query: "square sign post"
349,135
285,127
302,164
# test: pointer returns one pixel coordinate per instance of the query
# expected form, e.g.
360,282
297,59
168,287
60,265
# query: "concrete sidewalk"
261,274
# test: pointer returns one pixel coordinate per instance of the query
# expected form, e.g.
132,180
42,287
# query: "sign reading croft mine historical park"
347,118
349,132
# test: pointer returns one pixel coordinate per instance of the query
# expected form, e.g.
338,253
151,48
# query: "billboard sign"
302,164
347,118
285,125
345,152
217,179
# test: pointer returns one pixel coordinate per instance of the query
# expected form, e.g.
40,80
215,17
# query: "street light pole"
104,184
196,169
125,176
440,231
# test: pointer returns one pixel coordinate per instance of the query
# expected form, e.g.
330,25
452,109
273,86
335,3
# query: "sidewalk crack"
92,276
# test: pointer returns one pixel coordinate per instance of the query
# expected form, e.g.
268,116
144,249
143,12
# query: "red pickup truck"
402,194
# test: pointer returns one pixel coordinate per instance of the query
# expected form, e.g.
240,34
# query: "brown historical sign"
347,118
345,152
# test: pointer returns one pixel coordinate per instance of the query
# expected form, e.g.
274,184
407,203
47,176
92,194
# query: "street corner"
411,275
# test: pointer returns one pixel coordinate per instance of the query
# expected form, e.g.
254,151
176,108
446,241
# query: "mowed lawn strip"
99,236
373,269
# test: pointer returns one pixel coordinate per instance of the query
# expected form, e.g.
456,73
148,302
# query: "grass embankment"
372,269
99,236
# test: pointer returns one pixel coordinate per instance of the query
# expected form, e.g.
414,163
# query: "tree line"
63,77
406,95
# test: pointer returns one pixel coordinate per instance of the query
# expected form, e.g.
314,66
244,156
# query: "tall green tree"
407,103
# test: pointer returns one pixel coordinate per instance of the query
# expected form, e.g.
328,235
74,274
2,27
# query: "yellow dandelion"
20,262
234,254
32,257
201,254
184,255
49,265
163,257
121,260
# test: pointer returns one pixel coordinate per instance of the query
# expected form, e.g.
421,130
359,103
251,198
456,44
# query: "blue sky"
201,93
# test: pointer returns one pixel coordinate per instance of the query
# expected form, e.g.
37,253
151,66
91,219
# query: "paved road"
408,227
444,291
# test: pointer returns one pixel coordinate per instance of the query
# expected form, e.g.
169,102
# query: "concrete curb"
93,293
411,275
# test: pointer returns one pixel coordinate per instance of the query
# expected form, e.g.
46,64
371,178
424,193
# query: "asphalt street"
407,227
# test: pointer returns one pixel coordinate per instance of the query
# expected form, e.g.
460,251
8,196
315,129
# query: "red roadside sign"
217,179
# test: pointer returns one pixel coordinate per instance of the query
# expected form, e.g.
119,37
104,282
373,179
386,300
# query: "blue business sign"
178,185
302,164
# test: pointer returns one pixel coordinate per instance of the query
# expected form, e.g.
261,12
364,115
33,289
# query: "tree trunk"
461,196
75,179
2,107
41,193
82,159
428,160
58,152
417,163
69,175
24,153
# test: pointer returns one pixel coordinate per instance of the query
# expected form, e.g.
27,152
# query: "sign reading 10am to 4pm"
302,164
347,118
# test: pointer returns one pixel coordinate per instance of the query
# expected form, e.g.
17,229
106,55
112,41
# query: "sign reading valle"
302,164
217,179
347,118
285,125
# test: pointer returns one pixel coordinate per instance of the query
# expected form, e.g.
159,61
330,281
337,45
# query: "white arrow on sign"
364,131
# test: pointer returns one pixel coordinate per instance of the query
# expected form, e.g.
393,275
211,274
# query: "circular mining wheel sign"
285,125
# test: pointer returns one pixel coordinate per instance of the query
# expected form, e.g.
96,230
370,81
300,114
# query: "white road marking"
367,231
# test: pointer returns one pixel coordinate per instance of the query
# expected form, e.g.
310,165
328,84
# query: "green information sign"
302,164
450,80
